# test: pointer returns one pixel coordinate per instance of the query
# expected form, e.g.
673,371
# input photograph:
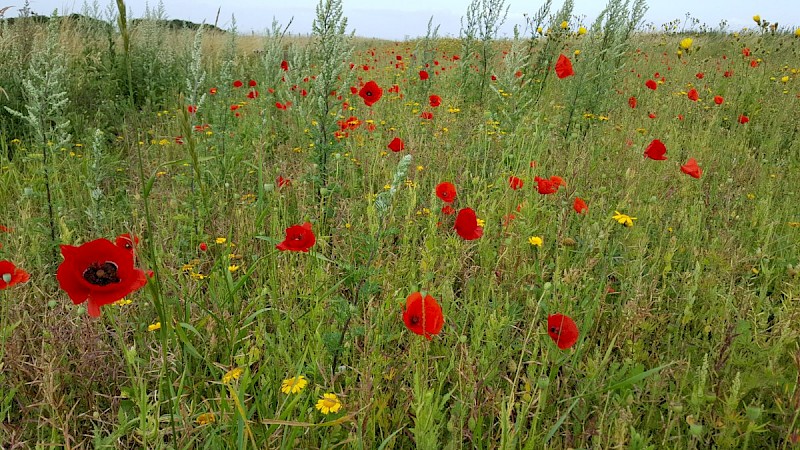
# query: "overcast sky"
398,19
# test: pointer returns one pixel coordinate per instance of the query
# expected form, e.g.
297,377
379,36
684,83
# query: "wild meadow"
583,236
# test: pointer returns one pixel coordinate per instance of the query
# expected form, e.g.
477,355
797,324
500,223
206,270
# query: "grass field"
269,224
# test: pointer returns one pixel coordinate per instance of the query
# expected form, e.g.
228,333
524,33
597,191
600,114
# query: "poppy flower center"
368,93
101,274
414,320
554,330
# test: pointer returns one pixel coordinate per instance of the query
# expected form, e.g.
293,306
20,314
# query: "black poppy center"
101,274
414,320
368,93
554,330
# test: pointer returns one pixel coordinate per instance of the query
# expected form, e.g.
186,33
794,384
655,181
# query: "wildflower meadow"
584,235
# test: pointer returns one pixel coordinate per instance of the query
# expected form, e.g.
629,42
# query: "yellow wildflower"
481,223
624,219
329,403
564,25
797,32
536,241
221,240
154,327
232,375
294,385
686,43
757,19
206,418
785,79
233,268
123,302
581,31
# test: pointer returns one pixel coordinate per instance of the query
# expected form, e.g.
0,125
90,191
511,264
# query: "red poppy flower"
5,229
280,106
745,51
718,99
700,75
423,316
127,242
564,67
252,94
743,119
427,115
693,95
423,75
467,225
396,145
284,65
448,210
100,272
212,91
651,84
691,168
446,191
580,206
545,186
394,89
514,182
728,74
299,238
562,330
238,84
656,150
371,93
11,275
435,100
632,102
203,246
252,83
191,109
282,182
652,115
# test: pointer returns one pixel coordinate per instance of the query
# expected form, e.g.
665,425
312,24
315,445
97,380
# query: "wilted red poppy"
371,93
100,272
423,75
299,238
580,206
545,186
446,191
656,150
448,210
651,84
564,67
427,115
632,102
396,145
283,182
718,99
5,229
515,183
691,168
467,225
693,95
423,316
11,275
743,119
562,330
435,100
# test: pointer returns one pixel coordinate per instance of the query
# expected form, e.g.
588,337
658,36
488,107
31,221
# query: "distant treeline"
175,24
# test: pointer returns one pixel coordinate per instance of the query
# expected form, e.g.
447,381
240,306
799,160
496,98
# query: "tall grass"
687,319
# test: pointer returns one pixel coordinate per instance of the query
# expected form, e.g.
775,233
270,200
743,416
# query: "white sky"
398,19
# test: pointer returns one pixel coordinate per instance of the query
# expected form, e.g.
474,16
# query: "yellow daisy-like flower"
624,219
797,32
536,241
206,418
564,25
123,302
329,403
232,375
686,43
233,268
154,327
481,222
581,31
221,240
785,79
757,19
294,385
